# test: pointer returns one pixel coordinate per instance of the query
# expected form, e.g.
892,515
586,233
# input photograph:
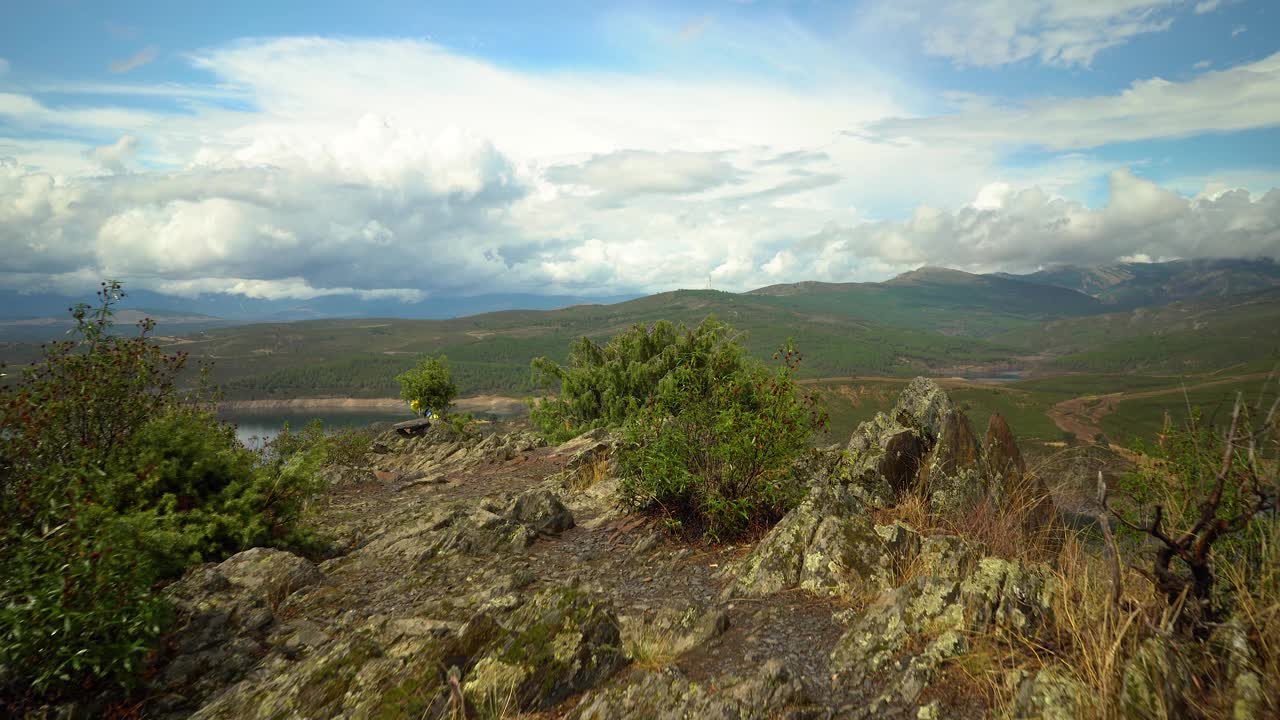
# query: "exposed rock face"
773,693
886,453
827,544
495,525
1009,482
950,473
927,445
226,613
558,643
938,613
1156,680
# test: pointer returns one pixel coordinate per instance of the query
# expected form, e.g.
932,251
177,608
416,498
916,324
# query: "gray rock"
1155,681
558,644
225,613
774,692
877,655
1051,694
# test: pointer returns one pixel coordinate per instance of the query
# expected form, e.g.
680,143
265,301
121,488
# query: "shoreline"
496,404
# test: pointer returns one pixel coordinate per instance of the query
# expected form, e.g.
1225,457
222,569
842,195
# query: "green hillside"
491,353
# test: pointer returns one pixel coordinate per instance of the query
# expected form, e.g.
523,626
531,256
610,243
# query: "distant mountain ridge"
929,298
1131,285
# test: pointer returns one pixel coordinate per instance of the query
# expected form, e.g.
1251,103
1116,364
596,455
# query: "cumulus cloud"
989,33
1028,228
112,157
389,169
135,61
1238,98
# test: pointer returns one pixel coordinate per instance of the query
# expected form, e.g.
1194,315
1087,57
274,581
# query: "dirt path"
1081,415
603,551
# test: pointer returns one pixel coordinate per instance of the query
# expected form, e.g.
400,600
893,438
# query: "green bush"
601,386
716,445
710,436
111,482
429,385
79,612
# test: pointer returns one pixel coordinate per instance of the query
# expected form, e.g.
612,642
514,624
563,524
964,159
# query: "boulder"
558,644
951,472
1156,681
225,613
773,692
828,545
897,647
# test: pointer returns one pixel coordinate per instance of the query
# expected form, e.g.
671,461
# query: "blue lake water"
255,428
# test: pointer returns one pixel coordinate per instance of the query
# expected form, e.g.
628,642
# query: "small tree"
428,386
1203,488
717,442
603,385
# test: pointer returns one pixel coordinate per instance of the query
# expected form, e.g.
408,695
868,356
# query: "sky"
404,150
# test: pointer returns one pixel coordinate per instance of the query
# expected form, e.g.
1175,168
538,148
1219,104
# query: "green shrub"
110,483
429,385
601,386
716,445
79,612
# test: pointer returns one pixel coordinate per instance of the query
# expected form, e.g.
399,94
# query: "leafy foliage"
111,482
604,385
715,447
709,435
428,386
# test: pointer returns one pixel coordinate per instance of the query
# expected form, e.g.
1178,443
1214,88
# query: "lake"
255,428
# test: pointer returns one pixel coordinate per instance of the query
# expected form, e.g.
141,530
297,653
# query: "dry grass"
652,645
589,473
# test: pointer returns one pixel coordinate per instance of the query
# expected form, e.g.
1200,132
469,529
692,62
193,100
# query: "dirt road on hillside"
1081,415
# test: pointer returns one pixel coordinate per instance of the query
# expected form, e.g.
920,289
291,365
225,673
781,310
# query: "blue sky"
289,149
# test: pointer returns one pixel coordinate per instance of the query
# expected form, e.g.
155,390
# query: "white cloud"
4,66
631,172
1202,65
1238,98
1207,6
1239,29
112,157
396,167
1030,229
1000,32
135,61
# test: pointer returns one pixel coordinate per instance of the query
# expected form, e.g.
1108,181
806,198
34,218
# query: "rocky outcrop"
774,692
828,544
951,475
558,643
926,445
508,523
1009,482
885,454
443,452
895,650
227,617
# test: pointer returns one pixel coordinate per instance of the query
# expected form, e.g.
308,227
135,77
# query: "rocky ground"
491,576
